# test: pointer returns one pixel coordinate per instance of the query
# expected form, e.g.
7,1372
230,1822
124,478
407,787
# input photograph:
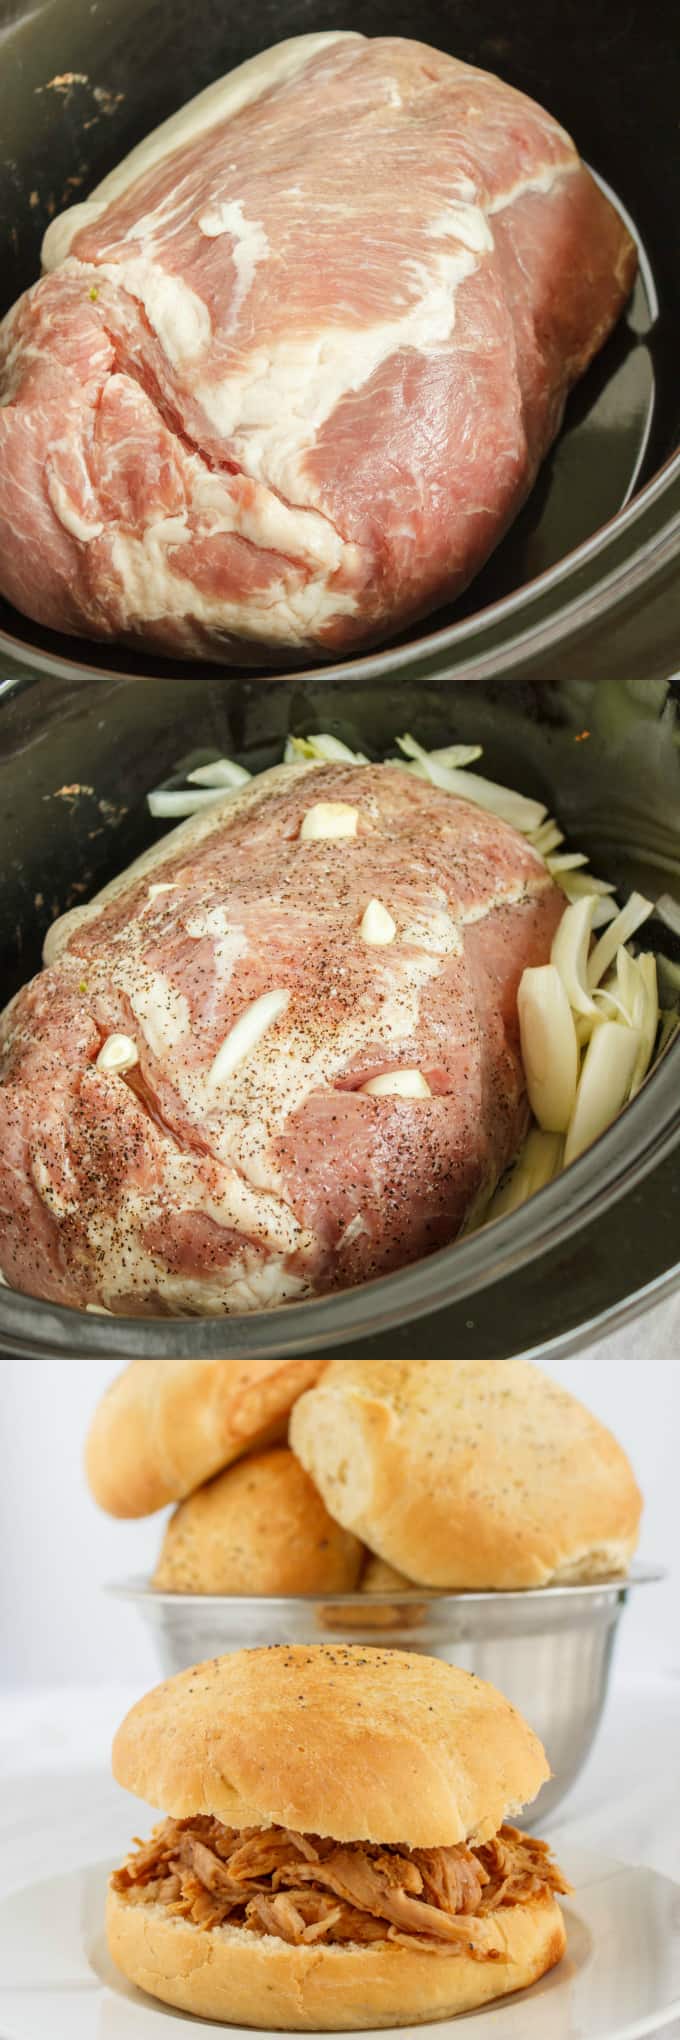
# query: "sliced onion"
515,808
245,1034
547,838
604,1084
668,911
612,1007
584,1024
539,1161
569,952
329,749
636,910
580,884
170,803
549,1046
569,862
334,751
649,1019
630,986
456,755
606,910
220,772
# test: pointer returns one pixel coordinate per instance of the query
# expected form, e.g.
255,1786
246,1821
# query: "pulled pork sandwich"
335,1852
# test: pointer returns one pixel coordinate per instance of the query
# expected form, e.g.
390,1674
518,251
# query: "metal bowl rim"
642,1573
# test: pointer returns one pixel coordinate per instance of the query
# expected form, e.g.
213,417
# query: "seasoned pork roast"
279,1056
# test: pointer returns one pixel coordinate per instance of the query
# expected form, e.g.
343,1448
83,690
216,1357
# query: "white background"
57,1627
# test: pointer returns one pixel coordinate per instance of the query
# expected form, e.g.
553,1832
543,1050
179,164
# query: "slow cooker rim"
403,1297
653,551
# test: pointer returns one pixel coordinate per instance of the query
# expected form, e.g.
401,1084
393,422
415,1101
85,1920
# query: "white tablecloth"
60,1807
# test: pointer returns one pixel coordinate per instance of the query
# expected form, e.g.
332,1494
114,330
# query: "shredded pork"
302,1888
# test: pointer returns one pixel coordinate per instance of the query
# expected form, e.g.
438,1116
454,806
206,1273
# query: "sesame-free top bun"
257,1980
468,1473
258,1528
165,1426
336,1739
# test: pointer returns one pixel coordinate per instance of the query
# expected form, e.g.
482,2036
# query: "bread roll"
469,1473
257,1528
255,1980
335,1739
165,1426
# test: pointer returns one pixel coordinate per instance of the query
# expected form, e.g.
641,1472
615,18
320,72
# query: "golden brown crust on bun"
257,1528
380,1578
255,1980
469,1473
335,1739
165,1426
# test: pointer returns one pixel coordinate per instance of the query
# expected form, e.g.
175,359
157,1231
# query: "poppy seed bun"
468,1473
165,1426
257,1528
338,1740
256,1980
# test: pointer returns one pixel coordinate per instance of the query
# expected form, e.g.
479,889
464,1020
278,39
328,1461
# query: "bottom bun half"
256,1980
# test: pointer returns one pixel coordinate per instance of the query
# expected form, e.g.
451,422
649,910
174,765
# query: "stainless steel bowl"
549,1649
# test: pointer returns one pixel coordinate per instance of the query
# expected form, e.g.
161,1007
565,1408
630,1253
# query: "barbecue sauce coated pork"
305,1890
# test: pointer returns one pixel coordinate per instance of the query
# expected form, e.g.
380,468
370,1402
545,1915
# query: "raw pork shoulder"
300,356
221,1152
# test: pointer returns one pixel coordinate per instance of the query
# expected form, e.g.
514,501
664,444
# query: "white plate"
619,1979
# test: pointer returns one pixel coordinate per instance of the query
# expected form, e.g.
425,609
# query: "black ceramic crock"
587,579
77,761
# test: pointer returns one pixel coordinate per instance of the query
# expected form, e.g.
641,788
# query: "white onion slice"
585,1022
245,1034
649,1018
377,927
604,1084
333,751
515,808
328,820
456,755
569,862
606,910
154,891
398,1084
323,746
547,838
636,910
170,803
539,1161
569,952
612,1007
582,883
668,911
118,1054
549,1046
220,772
630,987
